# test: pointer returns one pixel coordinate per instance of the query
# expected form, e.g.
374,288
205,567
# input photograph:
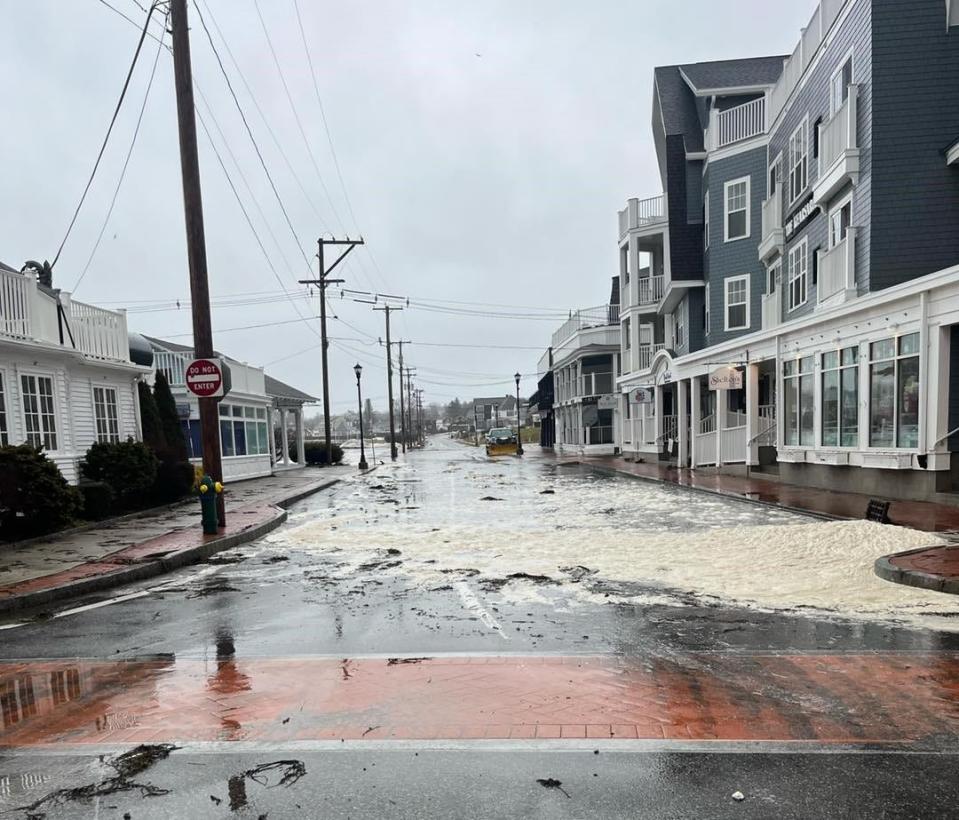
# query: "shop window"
840,398
798,402
243,431
894,392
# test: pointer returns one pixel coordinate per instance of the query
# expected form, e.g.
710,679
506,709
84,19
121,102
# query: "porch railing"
840,133
586,318
741,123
707,425
837,267
772,215
639,213
766,437
99,332
645,354
650,289
173,366
772,309
16,301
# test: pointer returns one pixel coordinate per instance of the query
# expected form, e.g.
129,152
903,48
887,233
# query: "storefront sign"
607,402
726,378
641,395
800,217
590,415
665,377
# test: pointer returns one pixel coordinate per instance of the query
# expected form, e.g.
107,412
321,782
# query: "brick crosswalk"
841,698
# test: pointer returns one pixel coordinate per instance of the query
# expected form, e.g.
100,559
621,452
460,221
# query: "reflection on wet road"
452,598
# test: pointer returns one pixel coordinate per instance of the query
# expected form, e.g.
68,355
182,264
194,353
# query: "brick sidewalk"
119,551
934,568
901,698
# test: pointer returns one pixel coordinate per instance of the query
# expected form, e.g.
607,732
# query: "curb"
885,569
159,566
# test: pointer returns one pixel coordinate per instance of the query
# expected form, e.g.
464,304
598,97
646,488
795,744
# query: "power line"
106,139
126,162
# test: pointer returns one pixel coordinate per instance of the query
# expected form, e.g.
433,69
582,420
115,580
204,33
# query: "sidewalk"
142,545
935,568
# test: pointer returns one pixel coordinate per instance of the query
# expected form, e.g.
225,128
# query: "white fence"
586,318
639,213
646,354
98,332
741,123
17,293
173,366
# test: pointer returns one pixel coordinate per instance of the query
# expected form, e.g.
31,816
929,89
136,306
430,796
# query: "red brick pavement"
921,515
840,698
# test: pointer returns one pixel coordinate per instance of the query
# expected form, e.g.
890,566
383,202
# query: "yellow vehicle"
501,441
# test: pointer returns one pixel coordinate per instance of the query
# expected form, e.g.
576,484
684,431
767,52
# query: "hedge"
35,498
316,452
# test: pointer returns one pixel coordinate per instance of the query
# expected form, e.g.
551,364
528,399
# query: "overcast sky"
485,148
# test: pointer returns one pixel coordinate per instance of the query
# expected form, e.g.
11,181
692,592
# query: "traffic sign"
204,378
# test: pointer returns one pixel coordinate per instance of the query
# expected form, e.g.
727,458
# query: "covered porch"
287,423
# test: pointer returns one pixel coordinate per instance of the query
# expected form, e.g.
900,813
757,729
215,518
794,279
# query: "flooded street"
460,610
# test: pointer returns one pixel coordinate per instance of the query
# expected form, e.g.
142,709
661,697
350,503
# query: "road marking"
119,599
471,602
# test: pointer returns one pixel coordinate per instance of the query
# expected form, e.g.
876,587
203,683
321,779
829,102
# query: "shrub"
174,480
174,440
98,500
150,419
35,498
129,467
316,452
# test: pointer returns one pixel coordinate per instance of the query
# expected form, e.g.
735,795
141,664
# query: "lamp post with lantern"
519,429
358,369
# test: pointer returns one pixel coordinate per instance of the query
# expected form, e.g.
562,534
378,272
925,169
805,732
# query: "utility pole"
419,412
322,282
387,309
410,372
402,413
195,239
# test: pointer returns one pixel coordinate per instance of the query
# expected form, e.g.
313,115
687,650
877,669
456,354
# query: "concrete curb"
888,571
159,566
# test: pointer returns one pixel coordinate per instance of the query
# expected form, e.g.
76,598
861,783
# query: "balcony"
641,215
838,150
650,290
645,354
736,124
173,366
29,314
605,317
773,239
772,309
837,272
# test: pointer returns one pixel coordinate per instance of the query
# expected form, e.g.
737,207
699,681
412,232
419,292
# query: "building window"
798,274
894,392
737,303
243,431
798,401
737,209
772,278
839,86
38,411
105,413
681,325
774,176
799,160
840,218
706,310
706,219
840,398
3,415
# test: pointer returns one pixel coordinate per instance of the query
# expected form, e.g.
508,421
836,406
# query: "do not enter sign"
204,378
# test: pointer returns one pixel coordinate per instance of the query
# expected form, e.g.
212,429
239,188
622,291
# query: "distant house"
66,376
251,413
499,411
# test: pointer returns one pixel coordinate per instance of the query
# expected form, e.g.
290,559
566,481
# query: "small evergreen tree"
175,449
150,419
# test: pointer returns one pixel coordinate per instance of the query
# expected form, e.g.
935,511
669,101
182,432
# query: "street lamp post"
358,369
519,429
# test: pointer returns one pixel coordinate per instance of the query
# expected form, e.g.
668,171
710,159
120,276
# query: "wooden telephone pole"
387,309
195,238
322,282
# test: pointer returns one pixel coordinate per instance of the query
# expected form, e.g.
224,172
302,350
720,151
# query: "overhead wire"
106,139
126,161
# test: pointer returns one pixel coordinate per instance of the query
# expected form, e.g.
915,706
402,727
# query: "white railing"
772,215
707,425
772,309
650,289
99,332
586,318
837,268
17,293
839,134
733,443
646,354
670,428
173,366
766,437
741,123
639,213
812,37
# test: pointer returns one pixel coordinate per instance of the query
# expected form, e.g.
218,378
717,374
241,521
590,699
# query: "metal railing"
741,123
16,302
584,319
650,289
99,332
766,437
639,213
840,134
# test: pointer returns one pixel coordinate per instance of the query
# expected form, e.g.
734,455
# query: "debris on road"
551,783
395,661
738,796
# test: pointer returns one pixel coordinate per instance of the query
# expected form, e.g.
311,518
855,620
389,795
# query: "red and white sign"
204,378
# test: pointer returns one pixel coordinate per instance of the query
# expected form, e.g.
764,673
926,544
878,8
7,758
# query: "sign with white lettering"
665,377
800,217
641,395
726,378
607,402
204,378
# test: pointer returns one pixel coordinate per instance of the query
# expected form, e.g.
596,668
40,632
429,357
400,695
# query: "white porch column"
300,439
285,450
695,398
720,425
660,424
935,390
682,392
751,377
272,435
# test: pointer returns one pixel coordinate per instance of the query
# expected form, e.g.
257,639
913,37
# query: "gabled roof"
677,105
281,390
712,77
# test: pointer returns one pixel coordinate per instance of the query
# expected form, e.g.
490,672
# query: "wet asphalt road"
328,585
